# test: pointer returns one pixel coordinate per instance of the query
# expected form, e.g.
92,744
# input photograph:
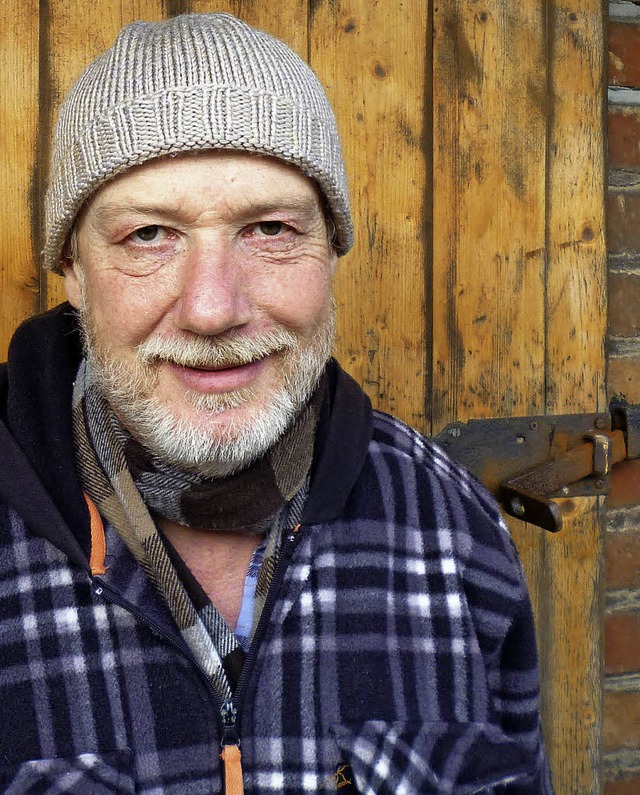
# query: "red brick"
624,137
624,56
624,304
623,378
622,560
623,222
622,643
625,486
628,786
621,727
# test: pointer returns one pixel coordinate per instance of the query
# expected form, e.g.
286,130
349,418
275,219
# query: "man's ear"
72,283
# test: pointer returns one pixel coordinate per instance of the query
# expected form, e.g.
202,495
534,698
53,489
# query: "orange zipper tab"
232,760
98,541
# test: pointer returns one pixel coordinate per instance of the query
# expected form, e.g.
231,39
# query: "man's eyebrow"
308,206
108,210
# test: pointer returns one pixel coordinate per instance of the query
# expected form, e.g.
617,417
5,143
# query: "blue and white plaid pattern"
244,624
400,645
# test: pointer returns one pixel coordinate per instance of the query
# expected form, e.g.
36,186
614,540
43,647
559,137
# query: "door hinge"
527,461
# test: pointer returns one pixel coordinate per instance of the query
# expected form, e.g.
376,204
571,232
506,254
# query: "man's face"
204,284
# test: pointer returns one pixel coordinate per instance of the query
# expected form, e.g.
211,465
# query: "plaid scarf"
127,483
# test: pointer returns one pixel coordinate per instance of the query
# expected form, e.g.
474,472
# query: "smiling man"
219,568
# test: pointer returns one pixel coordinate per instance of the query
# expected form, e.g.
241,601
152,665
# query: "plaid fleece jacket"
396,653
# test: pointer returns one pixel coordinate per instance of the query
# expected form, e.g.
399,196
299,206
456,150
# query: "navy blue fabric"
44,355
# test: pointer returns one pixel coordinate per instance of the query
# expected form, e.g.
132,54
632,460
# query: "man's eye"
271,228
147,234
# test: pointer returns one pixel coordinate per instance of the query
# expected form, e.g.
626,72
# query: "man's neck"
218,560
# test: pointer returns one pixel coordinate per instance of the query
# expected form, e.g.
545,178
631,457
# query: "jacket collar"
38,475
342,442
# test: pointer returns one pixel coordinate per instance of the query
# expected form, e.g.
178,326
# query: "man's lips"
213,368
217,379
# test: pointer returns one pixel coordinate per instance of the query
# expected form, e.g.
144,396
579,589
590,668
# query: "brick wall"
621,742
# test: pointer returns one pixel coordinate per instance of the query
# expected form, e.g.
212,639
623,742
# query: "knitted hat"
194,82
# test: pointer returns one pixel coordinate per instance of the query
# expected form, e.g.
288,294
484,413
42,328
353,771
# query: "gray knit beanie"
194,82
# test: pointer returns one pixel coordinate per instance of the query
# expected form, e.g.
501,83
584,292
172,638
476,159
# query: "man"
218,567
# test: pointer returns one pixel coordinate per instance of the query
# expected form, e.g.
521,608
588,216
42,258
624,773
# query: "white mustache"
231,350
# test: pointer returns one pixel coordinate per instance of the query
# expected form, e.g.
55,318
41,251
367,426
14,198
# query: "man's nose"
213,292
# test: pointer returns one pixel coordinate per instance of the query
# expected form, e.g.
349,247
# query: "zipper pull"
292,534
230,753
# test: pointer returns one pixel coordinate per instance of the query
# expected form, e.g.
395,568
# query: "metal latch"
527,461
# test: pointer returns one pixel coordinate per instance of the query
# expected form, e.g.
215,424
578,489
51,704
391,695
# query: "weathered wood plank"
574,371
488,219
371,57
576,279
489,224
18,121
517,329
571,652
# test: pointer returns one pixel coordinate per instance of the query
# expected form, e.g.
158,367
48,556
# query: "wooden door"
473,135
518,301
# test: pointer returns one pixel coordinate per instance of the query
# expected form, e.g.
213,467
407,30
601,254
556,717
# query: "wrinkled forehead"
206,179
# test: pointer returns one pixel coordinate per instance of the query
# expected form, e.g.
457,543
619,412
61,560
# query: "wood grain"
574,371
371,58
18,122
518,301
489,221
488,210
576,272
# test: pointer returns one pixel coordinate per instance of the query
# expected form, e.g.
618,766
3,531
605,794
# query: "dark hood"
37,471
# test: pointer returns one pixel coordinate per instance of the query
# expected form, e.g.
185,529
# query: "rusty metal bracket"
601,464
527,461
626,418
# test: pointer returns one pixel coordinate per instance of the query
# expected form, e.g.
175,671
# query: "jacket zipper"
228,711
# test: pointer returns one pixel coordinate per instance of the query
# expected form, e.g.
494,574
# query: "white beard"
211,444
